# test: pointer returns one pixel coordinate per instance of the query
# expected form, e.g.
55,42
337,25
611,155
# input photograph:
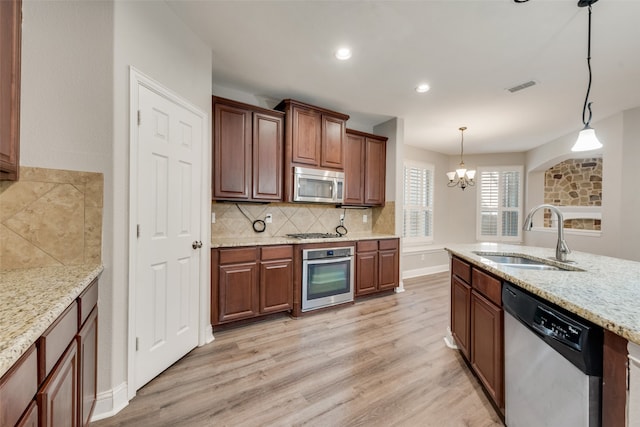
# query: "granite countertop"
228,242
31,300
606,292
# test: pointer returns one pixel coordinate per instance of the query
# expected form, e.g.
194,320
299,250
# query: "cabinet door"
88,356
306,136
354,170
238,291
276,286
487,345
10,44
231,152
267,157
366,273
388,269
30,417
374,181
460,303
18,387
58,397
332,143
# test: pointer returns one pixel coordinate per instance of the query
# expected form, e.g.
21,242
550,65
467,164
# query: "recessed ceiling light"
343,53
422,88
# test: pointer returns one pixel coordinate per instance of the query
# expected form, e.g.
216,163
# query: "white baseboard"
110,402
208,335
425,271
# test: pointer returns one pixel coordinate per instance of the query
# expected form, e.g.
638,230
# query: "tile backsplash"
289,218
51,217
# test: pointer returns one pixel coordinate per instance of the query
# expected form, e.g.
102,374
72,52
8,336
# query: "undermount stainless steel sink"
522,262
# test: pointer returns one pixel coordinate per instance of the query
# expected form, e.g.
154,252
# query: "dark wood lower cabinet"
377,266
88,356
30,417
58,397
487,348
250,282
460,310
615,368
477,325
276,290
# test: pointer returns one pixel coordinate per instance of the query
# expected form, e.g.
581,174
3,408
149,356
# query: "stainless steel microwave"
318,185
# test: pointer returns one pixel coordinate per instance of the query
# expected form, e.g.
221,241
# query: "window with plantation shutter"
418,202
499,204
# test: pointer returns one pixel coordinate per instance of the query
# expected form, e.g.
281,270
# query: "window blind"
500,204
418,201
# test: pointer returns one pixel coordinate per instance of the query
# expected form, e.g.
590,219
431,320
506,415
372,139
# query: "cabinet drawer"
18,387
232,256
388,244
367,246
276,252
461,269
488,286
56,339
86,301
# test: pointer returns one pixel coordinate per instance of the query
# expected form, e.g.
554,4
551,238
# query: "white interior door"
167,274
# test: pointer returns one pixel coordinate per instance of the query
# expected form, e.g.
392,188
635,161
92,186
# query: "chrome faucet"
562,249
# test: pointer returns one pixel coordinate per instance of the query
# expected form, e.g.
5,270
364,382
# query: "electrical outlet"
342,217
213,217
365,218
268,219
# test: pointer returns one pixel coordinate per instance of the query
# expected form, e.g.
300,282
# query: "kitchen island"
602,290
605,292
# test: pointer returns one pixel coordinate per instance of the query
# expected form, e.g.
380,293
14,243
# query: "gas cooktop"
313,235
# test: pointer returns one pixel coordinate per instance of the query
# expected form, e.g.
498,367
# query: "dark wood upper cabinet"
247,152
365,169
314,138
10,46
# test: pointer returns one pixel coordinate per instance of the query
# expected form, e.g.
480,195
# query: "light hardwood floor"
380,362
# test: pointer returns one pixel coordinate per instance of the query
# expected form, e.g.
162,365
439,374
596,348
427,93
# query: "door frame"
205,330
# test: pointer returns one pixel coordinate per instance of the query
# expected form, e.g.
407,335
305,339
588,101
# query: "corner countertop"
31,300
229,242
606,292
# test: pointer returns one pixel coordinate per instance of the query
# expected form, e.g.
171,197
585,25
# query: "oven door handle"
327,260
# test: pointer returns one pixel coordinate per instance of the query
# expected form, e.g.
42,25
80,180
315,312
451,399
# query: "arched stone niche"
576,186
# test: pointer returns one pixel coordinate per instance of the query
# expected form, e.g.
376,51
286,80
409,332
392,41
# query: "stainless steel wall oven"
327,277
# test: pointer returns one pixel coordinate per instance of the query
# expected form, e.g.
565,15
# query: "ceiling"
469,52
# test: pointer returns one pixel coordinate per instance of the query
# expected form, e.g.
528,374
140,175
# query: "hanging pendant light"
587,139
461,177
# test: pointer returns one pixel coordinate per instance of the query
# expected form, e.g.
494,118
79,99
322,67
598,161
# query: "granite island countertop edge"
603,293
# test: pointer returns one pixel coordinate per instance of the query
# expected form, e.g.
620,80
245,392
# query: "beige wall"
620,200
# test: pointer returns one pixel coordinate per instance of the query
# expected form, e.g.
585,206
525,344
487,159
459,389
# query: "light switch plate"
365,218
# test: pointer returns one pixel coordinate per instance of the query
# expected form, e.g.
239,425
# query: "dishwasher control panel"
555,325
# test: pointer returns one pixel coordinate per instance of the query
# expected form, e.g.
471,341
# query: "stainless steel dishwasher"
553,364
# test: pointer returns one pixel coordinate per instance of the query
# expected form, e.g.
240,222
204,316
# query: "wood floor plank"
380,362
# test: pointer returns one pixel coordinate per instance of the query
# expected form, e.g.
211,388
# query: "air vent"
522,86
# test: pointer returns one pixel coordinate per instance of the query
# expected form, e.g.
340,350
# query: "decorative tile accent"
574,182
51,217
288,218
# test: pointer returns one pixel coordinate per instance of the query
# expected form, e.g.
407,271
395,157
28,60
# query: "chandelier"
587,139
461,177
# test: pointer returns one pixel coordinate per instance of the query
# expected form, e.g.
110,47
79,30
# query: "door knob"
196,245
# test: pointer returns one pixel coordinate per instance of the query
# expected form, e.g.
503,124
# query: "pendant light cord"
587,104
462,129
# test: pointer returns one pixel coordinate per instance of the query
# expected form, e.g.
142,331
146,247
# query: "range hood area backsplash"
290,218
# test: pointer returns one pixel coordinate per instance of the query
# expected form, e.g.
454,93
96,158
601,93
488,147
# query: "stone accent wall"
574,182
51,217
288,218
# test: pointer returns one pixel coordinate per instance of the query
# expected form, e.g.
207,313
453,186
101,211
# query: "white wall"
151,38
75,115
67,113
620,199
